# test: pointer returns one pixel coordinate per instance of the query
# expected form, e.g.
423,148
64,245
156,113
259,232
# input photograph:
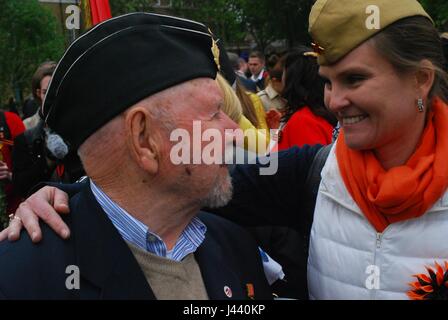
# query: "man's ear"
425,78
141,140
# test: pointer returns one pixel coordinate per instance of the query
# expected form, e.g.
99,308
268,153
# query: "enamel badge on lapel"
228,292
250,291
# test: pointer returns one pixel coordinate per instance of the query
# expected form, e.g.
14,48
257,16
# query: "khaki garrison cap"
339,26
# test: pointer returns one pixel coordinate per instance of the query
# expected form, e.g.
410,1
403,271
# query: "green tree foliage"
119,7
268,20
438,10
221,16
264,20
28,36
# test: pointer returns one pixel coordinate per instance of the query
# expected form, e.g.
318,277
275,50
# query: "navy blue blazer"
108,270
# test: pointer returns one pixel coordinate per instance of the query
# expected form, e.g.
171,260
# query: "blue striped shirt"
137,233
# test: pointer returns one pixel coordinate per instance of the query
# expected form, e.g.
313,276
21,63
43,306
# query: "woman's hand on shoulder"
48,203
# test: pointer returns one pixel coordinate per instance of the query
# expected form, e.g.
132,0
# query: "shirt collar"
137,233
260,76
271,92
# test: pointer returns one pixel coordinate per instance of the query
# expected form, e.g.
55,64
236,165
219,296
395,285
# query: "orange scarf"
402,192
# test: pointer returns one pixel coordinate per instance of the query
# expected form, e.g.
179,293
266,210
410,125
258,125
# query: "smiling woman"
385,89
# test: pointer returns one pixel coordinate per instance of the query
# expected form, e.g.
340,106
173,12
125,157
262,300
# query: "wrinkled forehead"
196,97
208,96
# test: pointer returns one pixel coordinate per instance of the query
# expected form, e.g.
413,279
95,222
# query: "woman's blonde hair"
232,105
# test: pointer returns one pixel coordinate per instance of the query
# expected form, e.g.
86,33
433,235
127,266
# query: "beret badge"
215,51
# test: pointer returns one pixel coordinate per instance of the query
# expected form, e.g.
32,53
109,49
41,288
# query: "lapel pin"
228,292
250,290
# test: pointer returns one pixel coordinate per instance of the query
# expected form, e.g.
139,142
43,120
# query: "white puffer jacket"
348,259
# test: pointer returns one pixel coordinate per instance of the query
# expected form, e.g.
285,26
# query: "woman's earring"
420,105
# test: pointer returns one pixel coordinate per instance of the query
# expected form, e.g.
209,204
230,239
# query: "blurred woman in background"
306,119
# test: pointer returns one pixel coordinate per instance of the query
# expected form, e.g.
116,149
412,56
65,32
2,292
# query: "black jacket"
108,270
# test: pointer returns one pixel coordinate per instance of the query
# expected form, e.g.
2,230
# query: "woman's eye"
355,79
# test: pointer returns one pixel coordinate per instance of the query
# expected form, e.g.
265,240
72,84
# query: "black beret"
120,62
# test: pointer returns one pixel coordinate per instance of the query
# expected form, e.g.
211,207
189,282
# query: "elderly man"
116,95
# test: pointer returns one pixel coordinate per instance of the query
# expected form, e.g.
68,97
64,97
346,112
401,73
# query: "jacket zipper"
378,240
379,236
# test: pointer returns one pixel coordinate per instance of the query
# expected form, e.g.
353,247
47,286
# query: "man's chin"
221,192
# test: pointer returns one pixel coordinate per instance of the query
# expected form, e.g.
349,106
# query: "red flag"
100,10
95,11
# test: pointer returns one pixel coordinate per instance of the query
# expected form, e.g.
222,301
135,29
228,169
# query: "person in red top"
304,127
10,127
306,119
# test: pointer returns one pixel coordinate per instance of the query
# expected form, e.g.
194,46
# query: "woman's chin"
357,143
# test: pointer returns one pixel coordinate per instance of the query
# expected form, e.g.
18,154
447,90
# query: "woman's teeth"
352,120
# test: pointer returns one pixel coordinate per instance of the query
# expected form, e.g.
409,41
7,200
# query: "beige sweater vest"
169,279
